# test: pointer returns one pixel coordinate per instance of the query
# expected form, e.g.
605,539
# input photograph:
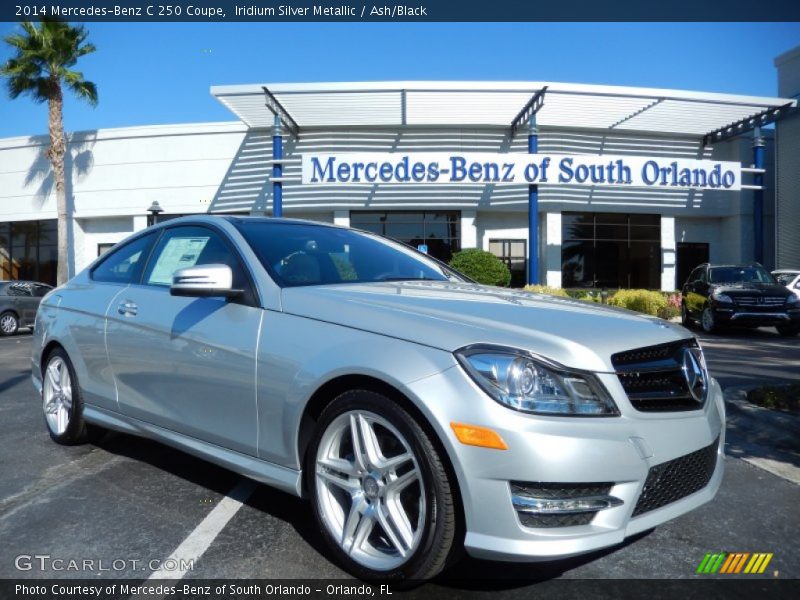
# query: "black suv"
746,295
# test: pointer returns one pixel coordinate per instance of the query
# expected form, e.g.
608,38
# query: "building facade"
787,130
585,236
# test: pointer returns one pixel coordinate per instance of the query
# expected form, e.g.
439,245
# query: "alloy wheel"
369,490
8,324
708,320
57,395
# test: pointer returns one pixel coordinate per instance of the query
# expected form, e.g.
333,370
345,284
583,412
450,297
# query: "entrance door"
690,254
514,253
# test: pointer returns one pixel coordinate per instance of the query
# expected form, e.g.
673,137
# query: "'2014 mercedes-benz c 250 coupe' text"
420,413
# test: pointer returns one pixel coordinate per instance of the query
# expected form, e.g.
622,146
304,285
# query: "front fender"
297,356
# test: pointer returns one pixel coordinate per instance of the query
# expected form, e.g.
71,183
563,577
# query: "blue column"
758,197
533,209
277,169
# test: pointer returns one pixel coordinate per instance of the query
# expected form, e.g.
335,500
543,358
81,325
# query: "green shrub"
484,267
783,397
544,289
669,312
587,295
648,302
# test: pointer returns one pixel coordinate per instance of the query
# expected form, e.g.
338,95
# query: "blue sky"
161,73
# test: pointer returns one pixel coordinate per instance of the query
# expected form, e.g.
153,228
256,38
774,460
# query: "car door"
24,302
694,291
37,291
82,310
188,364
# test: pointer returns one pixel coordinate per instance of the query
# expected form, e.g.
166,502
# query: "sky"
161,73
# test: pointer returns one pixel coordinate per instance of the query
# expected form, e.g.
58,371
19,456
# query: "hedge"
546,289
648,302
484,267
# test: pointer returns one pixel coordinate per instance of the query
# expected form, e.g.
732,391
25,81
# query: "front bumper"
571,450
755,316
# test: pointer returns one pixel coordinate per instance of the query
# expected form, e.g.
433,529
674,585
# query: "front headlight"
533,384
720,297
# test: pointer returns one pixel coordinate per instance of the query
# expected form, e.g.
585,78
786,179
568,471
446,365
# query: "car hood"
750,288
450,316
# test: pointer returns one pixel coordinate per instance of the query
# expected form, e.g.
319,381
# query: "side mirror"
204,282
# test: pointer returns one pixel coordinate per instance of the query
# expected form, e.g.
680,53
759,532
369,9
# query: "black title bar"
410,11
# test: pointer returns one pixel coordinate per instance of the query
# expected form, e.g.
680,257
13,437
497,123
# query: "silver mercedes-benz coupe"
420,413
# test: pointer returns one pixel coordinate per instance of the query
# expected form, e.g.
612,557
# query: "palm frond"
44,53
85,90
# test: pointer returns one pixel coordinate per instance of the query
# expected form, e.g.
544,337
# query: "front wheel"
708,321
788,330
379,490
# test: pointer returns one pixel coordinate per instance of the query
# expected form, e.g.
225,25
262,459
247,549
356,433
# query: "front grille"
677,478
548,490
759,301
653,377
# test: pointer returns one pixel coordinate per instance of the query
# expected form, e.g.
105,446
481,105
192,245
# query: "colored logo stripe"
734,562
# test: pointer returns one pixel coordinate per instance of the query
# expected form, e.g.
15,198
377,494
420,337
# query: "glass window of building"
439,231
610,250
514,253
29,250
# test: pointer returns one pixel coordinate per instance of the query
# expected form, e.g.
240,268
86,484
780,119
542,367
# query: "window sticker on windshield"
178,253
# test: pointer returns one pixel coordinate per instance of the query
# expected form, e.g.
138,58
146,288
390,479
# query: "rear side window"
40,291
124,265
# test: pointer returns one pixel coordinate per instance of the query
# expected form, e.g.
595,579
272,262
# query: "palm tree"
40,68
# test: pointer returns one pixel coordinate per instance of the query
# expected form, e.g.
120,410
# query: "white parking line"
198,541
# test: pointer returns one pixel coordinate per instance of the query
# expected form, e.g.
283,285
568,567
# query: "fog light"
549,506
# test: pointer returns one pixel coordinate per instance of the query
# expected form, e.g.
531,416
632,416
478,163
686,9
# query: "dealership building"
637,204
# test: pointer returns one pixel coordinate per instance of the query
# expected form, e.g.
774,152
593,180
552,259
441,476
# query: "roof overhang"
473,104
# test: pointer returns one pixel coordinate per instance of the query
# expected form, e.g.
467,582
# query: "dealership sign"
476,168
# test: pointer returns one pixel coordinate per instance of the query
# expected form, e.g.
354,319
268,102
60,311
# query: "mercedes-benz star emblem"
694,374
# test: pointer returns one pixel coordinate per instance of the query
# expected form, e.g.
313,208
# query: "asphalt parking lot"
134,500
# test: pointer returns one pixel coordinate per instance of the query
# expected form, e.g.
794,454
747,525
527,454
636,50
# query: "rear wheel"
686,320
788,330
62,402
379,490
9,323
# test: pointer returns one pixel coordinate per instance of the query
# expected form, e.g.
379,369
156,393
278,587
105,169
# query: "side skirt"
283,478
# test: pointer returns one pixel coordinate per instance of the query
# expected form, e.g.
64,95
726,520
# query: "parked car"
746,295
790,278
419,413
18,303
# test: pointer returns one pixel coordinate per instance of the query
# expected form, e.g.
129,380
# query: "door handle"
129,309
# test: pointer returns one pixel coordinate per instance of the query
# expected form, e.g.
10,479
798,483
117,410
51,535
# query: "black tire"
436,546
788,330
77,430
9,323
707,320
686,320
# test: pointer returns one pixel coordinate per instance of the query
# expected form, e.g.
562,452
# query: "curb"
766,438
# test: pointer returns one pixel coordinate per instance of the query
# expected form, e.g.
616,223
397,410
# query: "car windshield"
785,278
739,275
298,254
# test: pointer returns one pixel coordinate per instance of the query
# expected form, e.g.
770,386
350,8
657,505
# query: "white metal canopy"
470,103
